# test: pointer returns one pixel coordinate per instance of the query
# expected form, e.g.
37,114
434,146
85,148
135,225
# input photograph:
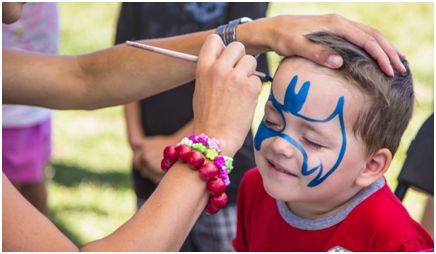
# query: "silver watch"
227,32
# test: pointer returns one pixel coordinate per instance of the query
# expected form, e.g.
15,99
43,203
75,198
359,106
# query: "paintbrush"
184,56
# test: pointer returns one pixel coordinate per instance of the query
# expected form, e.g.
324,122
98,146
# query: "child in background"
322,149
27,130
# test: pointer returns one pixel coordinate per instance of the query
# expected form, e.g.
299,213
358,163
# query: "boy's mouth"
275,166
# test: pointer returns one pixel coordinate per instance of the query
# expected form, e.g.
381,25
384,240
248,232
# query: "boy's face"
305,146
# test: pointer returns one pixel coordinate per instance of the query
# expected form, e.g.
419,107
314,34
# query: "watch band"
227,32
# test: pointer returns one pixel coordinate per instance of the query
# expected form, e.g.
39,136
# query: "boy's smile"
305,146
281,170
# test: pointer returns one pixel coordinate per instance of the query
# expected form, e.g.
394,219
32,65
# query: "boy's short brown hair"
388,101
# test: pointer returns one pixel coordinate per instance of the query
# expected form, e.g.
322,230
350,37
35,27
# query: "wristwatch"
227,32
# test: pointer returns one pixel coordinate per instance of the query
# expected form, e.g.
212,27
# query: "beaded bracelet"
195,150
209,147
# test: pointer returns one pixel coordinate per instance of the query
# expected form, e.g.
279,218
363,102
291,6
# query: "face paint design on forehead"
293,103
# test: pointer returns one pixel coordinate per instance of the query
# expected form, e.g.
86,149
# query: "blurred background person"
153,123
27,130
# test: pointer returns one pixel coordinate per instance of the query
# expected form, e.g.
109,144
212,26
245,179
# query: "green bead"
211,154
199,147
229,162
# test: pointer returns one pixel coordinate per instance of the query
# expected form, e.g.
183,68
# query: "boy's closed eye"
271,124
316,138
272,118
315,145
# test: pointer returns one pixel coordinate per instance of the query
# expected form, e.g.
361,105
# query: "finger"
391,51
231,55
315,52
255,85
364,40
256,82
246,66
210,51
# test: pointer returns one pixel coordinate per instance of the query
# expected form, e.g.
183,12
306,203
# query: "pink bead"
170,153
219,201
165,164
202,138
208,171
210,209
224,175
193,138
213,144
216,186
182,151
219,161
194,159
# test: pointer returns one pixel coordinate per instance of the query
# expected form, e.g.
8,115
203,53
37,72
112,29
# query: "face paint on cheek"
293,103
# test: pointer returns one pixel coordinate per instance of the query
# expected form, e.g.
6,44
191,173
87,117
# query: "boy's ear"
375,167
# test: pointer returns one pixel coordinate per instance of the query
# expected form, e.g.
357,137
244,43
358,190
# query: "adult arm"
161,224
25,228
117,75
123,74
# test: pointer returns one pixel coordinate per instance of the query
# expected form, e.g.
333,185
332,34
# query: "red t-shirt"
377,223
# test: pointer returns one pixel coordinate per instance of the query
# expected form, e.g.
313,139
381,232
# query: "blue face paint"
293,103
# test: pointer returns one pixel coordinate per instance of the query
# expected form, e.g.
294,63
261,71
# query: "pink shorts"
26,152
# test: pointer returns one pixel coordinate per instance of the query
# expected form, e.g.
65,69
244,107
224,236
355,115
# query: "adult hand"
226,93
147,157
286,35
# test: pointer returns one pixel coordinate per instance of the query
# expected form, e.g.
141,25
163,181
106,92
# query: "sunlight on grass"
90,186
87,27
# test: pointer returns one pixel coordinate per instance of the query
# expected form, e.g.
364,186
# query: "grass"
90,188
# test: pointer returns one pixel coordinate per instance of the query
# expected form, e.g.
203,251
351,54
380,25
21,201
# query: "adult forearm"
113,76
163,222
125,73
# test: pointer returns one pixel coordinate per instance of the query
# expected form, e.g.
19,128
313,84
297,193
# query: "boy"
322,148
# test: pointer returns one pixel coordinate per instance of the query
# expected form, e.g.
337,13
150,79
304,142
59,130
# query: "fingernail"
403,69
334,61
391,72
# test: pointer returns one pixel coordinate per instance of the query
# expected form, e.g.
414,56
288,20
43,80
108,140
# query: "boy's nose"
282,147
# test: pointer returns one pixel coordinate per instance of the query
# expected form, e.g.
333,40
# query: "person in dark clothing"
153,123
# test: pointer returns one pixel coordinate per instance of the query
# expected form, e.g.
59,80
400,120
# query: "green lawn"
90,193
